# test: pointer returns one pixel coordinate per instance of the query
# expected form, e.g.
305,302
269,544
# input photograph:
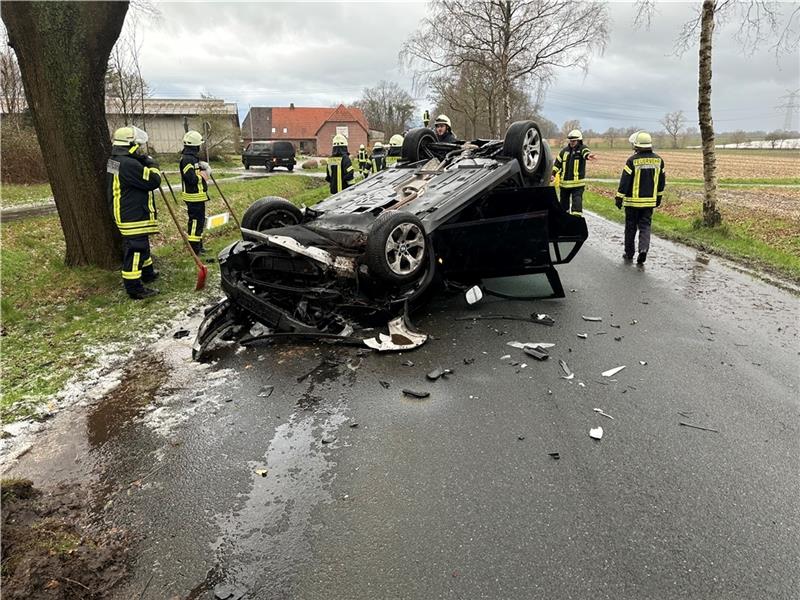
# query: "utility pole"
791,107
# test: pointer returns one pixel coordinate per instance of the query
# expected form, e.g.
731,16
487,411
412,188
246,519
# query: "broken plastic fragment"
599,411
643,362
384,384
585,318
583,336
438,372
634,322
596,433
181,333
568,374
474,295
469,361
401,337
537,353
542,319
612,372
407,363
554,455
266,391
262,472
581,384
523,345
416,394
618,338
505,357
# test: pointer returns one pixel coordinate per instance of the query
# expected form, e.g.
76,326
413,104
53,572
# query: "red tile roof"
304,122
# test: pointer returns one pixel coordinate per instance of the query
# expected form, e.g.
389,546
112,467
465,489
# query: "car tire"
290,168
415,144
270,212
523,141
247,166
397,247
268,167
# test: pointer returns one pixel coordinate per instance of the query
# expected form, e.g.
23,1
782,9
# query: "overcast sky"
320,53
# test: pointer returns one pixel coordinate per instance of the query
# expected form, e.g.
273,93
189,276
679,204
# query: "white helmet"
442,120
339,140
361,147
377,146
643,139
575,135
192,138
128,136
396,140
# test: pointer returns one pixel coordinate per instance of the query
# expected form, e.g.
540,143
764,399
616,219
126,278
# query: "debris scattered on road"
328,440
554,455
227,592
407,363
415,393
600,332
612,372
439,372
634,322
537,353
474,295
697,427
353,425
384,384
615,325
567,373
643,362
469,361
181,333
600,411
542,319
585,318
262,472
505,357
583,336
596,433
520,437
618,338
581,384
523,345
702,258
266,391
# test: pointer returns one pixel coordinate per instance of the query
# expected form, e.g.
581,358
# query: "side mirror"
474,295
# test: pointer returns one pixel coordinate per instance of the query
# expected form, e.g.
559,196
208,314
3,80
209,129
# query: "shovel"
202,270
225,200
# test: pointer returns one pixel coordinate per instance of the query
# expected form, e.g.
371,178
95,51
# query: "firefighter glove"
658,202
149,161
618,202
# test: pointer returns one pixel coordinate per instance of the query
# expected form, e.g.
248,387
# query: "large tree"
63,50
518,41
388,108
761,21
673,123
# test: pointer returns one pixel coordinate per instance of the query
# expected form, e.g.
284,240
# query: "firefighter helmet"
192,138
643,140
442,120
129,136
396,140
575,134
632,138
361,147
377,146
339,140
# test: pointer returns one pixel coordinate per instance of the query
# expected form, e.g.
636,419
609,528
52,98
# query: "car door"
508,232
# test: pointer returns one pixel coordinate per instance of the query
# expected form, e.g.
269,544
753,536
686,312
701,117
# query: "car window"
257,147
286,147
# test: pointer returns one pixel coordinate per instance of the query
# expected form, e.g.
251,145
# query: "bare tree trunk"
63,49
711,216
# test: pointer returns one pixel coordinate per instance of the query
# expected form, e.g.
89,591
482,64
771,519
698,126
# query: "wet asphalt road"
369,494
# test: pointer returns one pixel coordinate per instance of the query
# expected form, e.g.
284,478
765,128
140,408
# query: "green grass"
731,240
15,195
58,321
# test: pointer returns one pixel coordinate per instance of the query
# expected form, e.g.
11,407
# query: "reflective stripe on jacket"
643,180
130,191
570,164
339,173
193,185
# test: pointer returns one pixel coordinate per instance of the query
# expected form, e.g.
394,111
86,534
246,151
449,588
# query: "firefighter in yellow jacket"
132,177
194,174
340,168
363,161
570,166
641,188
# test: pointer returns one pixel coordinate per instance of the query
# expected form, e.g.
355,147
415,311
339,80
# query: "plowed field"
688,164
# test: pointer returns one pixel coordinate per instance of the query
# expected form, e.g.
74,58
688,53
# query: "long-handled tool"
225,200
202,270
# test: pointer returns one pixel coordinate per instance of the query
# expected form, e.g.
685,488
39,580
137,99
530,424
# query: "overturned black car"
445,215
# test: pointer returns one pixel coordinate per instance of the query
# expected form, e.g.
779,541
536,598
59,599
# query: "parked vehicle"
447,214
269,154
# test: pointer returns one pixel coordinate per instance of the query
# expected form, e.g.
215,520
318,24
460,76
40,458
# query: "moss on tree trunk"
63,49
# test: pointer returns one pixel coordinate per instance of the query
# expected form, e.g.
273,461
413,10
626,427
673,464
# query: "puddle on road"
264,540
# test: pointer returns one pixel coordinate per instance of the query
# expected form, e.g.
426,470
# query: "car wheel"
523,141
268,167
270,212
290,168
396,247
415,144
247,166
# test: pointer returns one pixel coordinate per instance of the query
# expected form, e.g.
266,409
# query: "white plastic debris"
612,372
600,411
521,345
581,384
596,433
643,362
583,336
568,374
585,318
474,294
505,356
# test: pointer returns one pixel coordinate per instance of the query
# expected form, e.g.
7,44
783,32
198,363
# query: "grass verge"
772,245
57,322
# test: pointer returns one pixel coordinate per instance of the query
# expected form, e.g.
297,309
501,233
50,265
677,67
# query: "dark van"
270,154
